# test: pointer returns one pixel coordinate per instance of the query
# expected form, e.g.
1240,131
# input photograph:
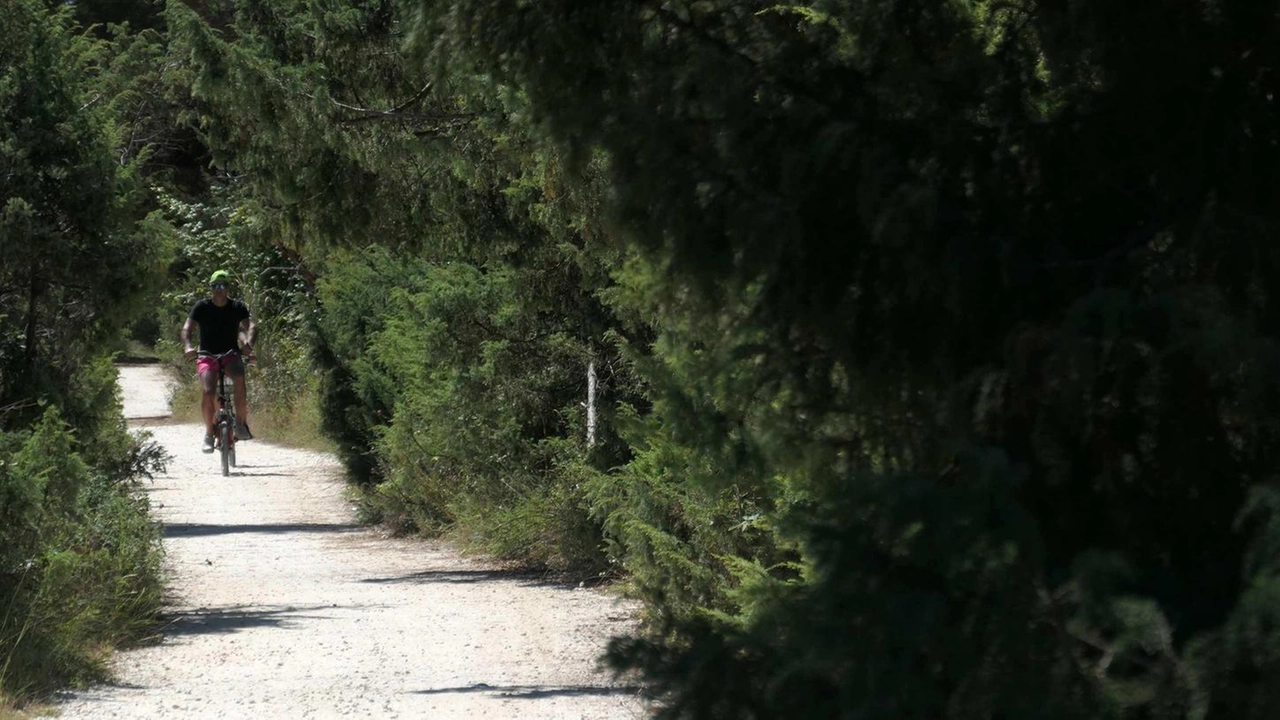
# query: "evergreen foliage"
79,559
940,358
454,360
68,206
1014,252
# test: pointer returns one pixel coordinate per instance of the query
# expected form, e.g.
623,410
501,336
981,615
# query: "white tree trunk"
591,404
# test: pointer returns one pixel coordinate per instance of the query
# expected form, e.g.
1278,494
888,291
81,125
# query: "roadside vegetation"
80,257
907,359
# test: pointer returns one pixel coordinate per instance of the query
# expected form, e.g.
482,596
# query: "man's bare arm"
187,349
250,331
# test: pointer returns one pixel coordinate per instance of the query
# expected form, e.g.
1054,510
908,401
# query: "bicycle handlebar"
219,356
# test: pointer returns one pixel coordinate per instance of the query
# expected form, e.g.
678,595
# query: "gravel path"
282,607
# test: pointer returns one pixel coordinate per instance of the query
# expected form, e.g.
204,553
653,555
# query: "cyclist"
221,320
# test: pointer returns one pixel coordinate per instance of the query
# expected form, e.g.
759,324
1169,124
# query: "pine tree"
995,329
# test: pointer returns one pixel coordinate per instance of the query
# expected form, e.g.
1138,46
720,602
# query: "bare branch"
369,113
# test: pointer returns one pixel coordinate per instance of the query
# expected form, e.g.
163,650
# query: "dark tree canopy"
1016,255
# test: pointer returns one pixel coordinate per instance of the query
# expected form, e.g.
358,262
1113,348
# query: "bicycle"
224,418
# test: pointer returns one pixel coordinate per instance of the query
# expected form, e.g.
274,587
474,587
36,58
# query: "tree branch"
441,117
371,113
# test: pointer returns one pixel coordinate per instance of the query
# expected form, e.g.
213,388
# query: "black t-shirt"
219,326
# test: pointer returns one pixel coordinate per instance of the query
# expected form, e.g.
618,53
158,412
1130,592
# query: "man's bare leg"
241,400
208,405
207,408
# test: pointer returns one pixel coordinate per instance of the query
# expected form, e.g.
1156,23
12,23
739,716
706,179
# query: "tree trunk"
591,404
33,295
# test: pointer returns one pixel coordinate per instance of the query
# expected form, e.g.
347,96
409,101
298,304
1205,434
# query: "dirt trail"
282,607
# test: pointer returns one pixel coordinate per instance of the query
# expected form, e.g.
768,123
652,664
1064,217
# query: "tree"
992,328
75,265
79,558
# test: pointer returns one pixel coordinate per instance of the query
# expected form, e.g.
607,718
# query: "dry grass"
295,426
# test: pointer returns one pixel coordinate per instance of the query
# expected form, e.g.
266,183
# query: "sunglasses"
219,286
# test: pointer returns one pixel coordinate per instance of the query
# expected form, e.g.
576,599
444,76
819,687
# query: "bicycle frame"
224,418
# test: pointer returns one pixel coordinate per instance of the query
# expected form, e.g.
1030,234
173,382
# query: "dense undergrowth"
81,558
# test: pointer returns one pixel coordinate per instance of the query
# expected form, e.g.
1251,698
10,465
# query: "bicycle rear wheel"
224,443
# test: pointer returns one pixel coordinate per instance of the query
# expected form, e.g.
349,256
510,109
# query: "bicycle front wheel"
224,443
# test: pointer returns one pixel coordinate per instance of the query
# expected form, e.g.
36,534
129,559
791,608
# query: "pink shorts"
232,363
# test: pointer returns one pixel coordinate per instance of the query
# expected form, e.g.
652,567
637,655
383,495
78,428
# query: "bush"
467,402
80,559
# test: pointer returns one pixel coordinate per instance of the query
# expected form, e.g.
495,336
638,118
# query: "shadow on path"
237,617
534,692
181,530
469,576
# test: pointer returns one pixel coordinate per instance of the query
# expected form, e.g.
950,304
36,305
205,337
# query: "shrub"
80,559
